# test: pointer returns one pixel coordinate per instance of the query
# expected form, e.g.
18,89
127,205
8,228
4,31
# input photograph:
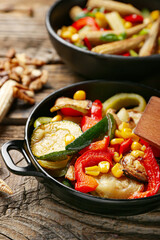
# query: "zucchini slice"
48,140
41,120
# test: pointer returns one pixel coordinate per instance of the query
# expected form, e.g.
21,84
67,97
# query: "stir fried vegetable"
97,152
113,27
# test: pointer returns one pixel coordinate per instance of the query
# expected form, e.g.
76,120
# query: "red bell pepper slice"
87,43
96,116
134,18
86,21
87,122
98,145
153,172
96,110
156,151
84,182
127,54
125,146
70,112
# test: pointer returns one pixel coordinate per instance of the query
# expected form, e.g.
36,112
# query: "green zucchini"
41,120
48,140
95,132
111,125
57,156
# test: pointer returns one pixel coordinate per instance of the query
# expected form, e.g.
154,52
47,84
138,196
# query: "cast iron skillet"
95,90
93,65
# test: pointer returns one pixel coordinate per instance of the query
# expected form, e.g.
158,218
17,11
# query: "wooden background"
33,212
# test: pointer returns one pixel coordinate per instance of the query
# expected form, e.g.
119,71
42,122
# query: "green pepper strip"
111,37
93,133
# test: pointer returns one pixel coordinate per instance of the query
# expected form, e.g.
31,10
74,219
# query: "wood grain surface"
33,212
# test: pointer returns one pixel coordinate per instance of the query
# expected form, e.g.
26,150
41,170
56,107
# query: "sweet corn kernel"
69,138
56,118
137,153
71,29
117,170
79,95
143,148
115,141
128,25
100,17
149,25
75,37
117,157
118,133
66,34
104,166
134,137
136,146
155,15
123,125
93,171
126,133
64,28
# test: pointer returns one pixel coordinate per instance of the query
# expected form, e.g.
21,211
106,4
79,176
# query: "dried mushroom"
20,76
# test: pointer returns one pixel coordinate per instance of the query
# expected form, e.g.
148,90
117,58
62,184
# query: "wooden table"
33,212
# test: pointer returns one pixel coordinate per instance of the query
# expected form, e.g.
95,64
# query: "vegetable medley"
112,27
91,146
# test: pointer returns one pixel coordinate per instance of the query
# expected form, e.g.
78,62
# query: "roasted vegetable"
119,47
41,120
125,100
113,27
48,141
118,188
133,168
93,133
82,106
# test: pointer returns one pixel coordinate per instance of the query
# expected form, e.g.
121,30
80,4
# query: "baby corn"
149,44
74,12
115,21
6,97
122,8
119,46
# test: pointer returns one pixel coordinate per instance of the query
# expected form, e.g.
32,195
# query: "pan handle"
18,145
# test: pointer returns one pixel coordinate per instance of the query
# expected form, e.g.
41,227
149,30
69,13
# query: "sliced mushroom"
135,115
133,168
70,175
131,123
82,106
